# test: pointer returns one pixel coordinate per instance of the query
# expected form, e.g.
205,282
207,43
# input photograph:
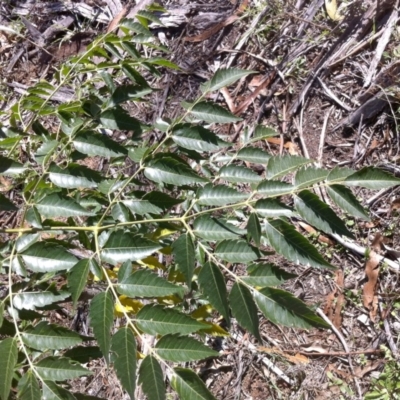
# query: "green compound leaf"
183,250
93,144
158,320
266,274
45,336
236,251
122,246
372,178
253,155
295,247
263,132
272,208
338,174
8,361
308,176
118,118
189,386
182,349
144,283
127,92
10,167
319,214
224,77
58,205
239,174
101,314
60,369
51,391
25,241
283,308
194,137
77,278
213,285
345,199
6,205
84,354
280,166
211,112
244,309
29,389
32,300
151,378
172,171
209,228
123,345
48,257
254,228
33,217
219,195
74,176
274,188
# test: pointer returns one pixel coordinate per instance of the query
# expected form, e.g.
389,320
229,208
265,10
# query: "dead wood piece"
115,6
268,363
63,95
368,110
141,5
33,31
309,15
59,26
43,9
217,27
382,43
386,77
357,29
392,265
14,59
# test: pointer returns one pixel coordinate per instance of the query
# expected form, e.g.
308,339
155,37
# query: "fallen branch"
354,247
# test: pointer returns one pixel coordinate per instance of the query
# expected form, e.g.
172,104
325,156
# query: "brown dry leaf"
228,99
290,146
296,359
256,82
312,231
377,243
263,84
395,204
340,302
335,313
341,373
5,184
360,371
117,19
370,298
313,348
371,224
217,27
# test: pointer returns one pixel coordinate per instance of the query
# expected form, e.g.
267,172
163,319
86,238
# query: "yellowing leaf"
215,330
111,274
166,250
127,305
332,10
296,359
202,312
162,233
169,300
176,276
152,263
